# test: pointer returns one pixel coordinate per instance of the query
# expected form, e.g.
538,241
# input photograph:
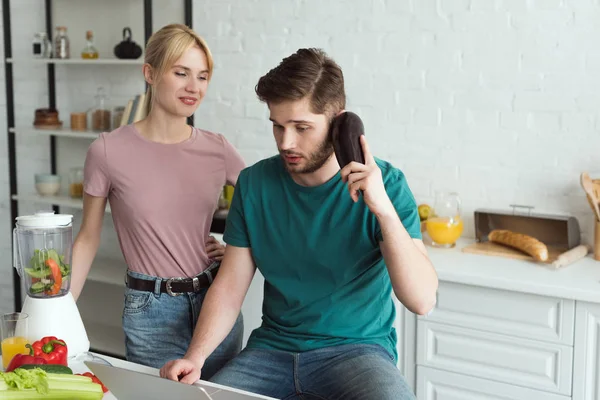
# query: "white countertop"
578,281
211,388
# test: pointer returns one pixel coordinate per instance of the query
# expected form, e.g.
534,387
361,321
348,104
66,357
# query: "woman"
162,178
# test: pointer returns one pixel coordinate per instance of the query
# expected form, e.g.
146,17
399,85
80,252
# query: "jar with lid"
76,183
38,45
117,116
41,46
61,47
100,114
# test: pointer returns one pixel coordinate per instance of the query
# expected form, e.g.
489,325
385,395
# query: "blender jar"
42,253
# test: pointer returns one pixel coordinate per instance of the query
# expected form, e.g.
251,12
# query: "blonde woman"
162,179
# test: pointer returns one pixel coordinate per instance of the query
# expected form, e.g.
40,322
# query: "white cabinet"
433,384
524,362
406,327
485,343
586,376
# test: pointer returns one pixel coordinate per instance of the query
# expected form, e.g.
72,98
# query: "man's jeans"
159,328
346,372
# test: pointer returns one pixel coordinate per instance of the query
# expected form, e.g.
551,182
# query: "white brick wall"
496,99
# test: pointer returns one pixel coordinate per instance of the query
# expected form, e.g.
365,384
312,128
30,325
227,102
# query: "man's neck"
320,176
162,127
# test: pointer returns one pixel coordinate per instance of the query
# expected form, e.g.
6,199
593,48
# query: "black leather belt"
175,286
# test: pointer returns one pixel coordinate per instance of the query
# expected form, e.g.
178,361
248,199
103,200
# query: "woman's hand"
214,249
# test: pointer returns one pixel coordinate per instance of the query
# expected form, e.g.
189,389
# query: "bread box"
559,233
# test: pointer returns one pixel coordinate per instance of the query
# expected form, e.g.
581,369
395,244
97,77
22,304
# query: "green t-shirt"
326,282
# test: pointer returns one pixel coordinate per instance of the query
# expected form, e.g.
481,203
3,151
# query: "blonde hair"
165,47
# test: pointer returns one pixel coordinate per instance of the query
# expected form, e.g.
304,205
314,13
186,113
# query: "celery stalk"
59,387
31,394
67,378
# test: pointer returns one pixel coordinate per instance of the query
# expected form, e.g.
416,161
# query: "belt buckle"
168,286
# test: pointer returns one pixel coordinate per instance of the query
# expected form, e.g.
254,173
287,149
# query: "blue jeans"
159,327
345,372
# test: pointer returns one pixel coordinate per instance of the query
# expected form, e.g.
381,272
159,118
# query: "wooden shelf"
63,201
64,132
76,61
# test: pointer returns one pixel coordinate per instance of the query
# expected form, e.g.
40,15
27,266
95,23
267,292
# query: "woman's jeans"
159,328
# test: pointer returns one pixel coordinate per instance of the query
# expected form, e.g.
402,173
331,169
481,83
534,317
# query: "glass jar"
61,46
42,48
117,116
76,183
100,114
38,45
445,225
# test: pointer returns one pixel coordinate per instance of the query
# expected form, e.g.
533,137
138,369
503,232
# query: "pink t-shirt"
162,196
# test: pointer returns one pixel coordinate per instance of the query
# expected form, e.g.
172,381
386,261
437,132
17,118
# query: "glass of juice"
14,334
445,226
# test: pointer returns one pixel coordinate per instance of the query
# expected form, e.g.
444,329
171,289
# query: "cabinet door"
514,361
406,327
433,384
586,371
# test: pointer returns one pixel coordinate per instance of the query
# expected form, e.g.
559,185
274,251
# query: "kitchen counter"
578,281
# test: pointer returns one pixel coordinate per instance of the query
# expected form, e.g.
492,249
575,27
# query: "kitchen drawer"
433,384
522,362
499,311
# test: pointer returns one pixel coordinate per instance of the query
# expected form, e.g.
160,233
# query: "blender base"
58,317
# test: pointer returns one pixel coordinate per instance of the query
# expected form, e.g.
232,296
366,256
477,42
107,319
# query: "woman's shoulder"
211,137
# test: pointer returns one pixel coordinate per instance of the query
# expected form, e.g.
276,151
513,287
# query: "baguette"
519,241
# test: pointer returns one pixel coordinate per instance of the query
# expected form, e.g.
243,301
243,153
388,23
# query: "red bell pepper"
56,276
51,349
22,359
95,380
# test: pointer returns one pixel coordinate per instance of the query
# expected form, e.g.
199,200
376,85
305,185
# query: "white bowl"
47,188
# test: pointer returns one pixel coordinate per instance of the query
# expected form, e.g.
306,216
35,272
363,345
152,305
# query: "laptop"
126,384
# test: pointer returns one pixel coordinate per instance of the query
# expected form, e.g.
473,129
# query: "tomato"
95,380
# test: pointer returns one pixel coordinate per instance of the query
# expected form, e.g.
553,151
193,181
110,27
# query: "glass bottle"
76,182
61,46
89,51
100,112
38,45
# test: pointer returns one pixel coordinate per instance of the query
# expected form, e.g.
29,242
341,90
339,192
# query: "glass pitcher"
42,245
445,226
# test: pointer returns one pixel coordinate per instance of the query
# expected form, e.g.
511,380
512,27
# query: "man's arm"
220,309
413,277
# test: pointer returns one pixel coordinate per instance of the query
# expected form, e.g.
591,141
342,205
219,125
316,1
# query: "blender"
43,244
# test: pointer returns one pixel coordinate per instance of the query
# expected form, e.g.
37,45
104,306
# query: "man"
331,244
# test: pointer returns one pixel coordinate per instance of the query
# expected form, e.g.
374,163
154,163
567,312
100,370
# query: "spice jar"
76,182
117,116
79,121
61,46
101,113
42,48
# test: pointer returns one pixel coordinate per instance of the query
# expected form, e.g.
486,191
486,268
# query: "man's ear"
148,73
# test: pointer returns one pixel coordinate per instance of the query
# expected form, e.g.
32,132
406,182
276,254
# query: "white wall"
496,99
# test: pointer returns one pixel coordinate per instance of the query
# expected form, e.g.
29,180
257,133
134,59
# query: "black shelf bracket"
12,156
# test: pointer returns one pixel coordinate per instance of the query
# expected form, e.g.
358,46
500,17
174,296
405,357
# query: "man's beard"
316,159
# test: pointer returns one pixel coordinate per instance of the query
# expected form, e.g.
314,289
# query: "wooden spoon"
588,186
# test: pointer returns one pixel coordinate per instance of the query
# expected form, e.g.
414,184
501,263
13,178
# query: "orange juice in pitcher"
446,225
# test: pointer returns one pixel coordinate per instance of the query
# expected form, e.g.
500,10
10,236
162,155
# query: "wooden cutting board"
494,249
